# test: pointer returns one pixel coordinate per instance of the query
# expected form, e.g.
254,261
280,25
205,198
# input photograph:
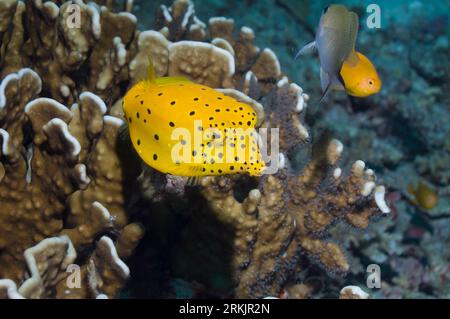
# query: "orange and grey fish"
335,41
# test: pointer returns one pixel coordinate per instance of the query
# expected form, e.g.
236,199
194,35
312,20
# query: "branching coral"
67,177
286,216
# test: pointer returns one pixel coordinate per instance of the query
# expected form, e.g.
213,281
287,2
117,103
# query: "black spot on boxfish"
171,124
156,137
137,114
149,112
196,99
191,113
159,94
138,142
172,103
155,157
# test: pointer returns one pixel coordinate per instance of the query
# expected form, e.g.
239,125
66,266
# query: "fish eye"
370,82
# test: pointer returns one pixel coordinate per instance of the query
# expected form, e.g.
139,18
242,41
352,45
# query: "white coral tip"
337,172
355,290
379,199
367,188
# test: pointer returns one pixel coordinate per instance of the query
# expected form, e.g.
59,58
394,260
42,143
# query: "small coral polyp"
69,181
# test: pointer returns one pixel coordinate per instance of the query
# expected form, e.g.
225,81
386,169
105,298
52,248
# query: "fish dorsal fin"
353,28
153,79
307,49
171,80
151,73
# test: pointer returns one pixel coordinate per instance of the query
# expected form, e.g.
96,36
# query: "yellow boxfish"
182,128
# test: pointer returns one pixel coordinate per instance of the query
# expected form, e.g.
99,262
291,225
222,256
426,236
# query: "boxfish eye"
370,82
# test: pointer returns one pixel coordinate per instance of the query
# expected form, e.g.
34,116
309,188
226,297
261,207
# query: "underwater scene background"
360,205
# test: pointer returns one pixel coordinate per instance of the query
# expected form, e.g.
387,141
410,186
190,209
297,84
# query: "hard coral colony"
73,193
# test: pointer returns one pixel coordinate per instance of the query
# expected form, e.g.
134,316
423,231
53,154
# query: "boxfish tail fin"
307,49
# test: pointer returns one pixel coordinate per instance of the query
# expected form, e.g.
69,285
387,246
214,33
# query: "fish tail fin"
307,49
